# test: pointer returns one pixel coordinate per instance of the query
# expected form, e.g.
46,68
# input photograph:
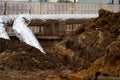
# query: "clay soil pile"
89,42
20,56
23,61
97,44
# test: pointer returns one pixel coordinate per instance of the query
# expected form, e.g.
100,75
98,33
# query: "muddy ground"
90,51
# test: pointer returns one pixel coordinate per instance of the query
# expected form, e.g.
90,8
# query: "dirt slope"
20,56
99,38
89,42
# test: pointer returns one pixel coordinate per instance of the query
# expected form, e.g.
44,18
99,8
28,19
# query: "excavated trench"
90,51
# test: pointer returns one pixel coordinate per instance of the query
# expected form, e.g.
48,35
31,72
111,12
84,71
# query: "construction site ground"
92,52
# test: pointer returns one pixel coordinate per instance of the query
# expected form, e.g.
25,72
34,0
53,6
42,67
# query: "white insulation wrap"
3,21
3,33
58,16
24,33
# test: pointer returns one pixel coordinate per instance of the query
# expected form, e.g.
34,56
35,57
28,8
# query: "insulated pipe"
9,19
23,32
3,33
4,20
21,29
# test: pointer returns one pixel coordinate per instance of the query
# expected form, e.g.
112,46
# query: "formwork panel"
34,29
116,8
35,8
86,8
55,8
17,8
1,8
10,31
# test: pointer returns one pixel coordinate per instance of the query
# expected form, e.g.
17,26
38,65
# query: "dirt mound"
106,67
97,40
89,42
20,56
16,45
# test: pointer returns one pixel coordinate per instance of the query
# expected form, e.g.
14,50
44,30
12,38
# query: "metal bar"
40,6
72,9
5,7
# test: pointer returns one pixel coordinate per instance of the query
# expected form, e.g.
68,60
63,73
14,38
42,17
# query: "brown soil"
20,58
89,42
98,38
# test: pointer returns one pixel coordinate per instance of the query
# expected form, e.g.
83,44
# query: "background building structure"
80,1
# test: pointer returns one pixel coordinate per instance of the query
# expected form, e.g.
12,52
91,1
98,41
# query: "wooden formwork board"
52,27
2,8
17,8
55,8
